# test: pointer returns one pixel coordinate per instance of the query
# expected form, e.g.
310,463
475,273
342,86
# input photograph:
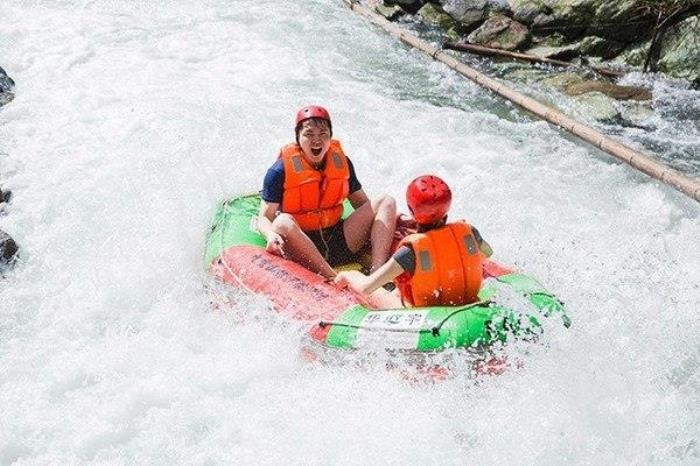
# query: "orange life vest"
315,197
448,267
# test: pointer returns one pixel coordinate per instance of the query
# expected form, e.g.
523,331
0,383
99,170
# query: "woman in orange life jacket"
302,202
441,264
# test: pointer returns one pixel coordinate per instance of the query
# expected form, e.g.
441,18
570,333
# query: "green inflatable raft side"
235,254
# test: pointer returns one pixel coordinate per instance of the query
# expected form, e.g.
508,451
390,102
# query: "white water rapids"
134,119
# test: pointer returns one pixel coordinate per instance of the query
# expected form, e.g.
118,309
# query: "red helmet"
428,199
312,111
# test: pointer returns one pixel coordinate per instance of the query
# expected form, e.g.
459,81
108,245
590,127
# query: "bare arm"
367,284
275,243
358,198
485,248
268,211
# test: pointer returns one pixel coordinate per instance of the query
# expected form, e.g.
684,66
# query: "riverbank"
573,63
631,35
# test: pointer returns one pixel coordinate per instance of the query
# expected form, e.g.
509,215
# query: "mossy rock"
390,12
527,75
600,47
590,46
680,50
562,80
609,89
501,32
436,16
468,13
634,55
596,106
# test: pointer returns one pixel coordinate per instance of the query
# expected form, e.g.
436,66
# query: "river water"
133,119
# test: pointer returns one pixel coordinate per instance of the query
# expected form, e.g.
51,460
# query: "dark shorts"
332,245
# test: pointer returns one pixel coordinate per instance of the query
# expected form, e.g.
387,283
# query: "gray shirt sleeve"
477,236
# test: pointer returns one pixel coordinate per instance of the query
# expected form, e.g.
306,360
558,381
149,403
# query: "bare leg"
376,220
299,248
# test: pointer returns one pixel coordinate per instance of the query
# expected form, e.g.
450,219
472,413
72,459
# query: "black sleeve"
354,182
477,236
406,258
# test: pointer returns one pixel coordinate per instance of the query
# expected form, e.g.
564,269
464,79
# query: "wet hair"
314,122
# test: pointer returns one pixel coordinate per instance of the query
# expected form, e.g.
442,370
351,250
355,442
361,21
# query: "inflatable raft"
337,318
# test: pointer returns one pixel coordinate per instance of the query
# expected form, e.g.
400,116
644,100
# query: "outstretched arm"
358,198
275,242
367,284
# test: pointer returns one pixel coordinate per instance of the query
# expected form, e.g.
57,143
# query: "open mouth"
316,152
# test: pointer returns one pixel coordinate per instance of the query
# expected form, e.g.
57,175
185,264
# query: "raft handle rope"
221,249
325,244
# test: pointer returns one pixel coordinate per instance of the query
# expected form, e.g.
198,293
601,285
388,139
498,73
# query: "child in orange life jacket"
441,264
302,202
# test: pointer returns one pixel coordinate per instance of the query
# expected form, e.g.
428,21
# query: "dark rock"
7,87
410,6
621,20
501,32
5,196
600,47
609,89
8,250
